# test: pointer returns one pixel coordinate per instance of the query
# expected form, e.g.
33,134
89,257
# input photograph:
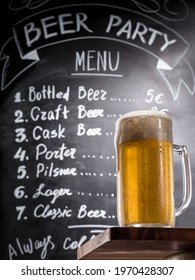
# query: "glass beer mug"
145,175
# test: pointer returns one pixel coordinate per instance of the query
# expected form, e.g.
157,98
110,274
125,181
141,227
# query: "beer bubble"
145,185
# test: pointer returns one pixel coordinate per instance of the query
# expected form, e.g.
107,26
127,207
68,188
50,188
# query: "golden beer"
145,180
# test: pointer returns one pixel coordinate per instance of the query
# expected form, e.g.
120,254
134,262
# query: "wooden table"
133,243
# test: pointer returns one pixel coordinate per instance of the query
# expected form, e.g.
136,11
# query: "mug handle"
187,178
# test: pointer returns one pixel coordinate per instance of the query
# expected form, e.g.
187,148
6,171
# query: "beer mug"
145,172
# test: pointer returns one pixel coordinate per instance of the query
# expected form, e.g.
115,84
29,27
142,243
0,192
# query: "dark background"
140,86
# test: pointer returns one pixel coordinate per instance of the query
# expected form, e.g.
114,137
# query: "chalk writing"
91,94
42,151
166,10
54,193
82,130
30,246
39,133
92,60
29,4
47,92
38,114
42,211
67,23
52,171
75,23
70,244
61,130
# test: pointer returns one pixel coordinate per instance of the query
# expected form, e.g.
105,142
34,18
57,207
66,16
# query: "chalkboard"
69,69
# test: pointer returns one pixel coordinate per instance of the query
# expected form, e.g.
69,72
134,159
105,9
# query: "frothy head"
146,124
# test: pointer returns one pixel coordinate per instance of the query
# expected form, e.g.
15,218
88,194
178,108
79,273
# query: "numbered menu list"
57,158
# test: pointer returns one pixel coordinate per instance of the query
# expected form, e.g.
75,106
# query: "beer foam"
145,113
145,124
